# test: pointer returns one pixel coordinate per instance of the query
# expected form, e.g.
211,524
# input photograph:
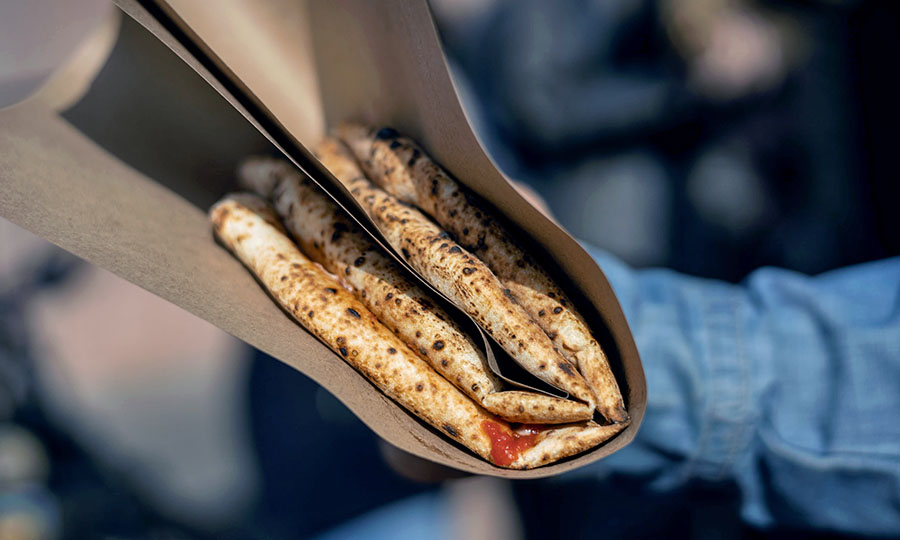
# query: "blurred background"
708,136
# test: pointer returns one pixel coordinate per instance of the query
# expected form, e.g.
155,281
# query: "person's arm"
787,384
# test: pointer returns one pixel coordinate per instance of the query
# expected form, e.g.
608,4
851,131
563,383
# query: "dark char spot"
438,345
449,429
343,351
386,133
359,261
455,249
353,312
557,309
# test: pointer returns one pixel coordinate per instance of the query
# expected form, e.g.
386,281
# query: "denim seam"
741,440
847,461
693,459
725,427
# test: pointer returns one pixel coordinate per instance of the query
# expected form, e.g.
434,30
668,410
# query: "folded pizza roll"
325,233
459,276
249,228
401,167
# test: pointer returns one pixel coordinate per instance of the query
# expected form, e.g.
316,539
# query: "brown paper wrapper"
123,176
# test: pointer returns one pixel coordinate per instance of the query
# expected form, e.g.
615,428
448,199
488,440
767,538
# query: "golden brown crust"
531,408
248,227
342,322
403,169
326,234
467,281
330,238
566,440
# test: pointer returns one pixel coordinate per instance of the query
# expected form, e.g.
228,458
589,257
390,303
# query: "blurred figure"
709,136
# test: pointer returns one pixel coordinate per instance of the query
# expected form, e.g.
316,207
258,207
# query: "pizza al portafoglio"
334,280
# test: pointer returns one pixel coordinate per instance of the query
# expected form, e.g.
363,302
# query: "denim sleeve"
786,384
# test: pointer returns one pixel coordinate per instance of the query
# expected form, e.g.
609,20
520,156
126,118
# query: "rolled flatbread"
459,276
249,228
326,234
401,167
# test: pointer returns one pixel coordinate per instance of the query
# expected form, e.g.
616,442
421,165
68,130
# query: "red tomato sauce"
506,444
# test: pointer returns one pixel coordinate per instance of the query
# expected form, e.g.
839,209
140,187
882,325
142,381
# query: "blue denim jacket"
787,384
